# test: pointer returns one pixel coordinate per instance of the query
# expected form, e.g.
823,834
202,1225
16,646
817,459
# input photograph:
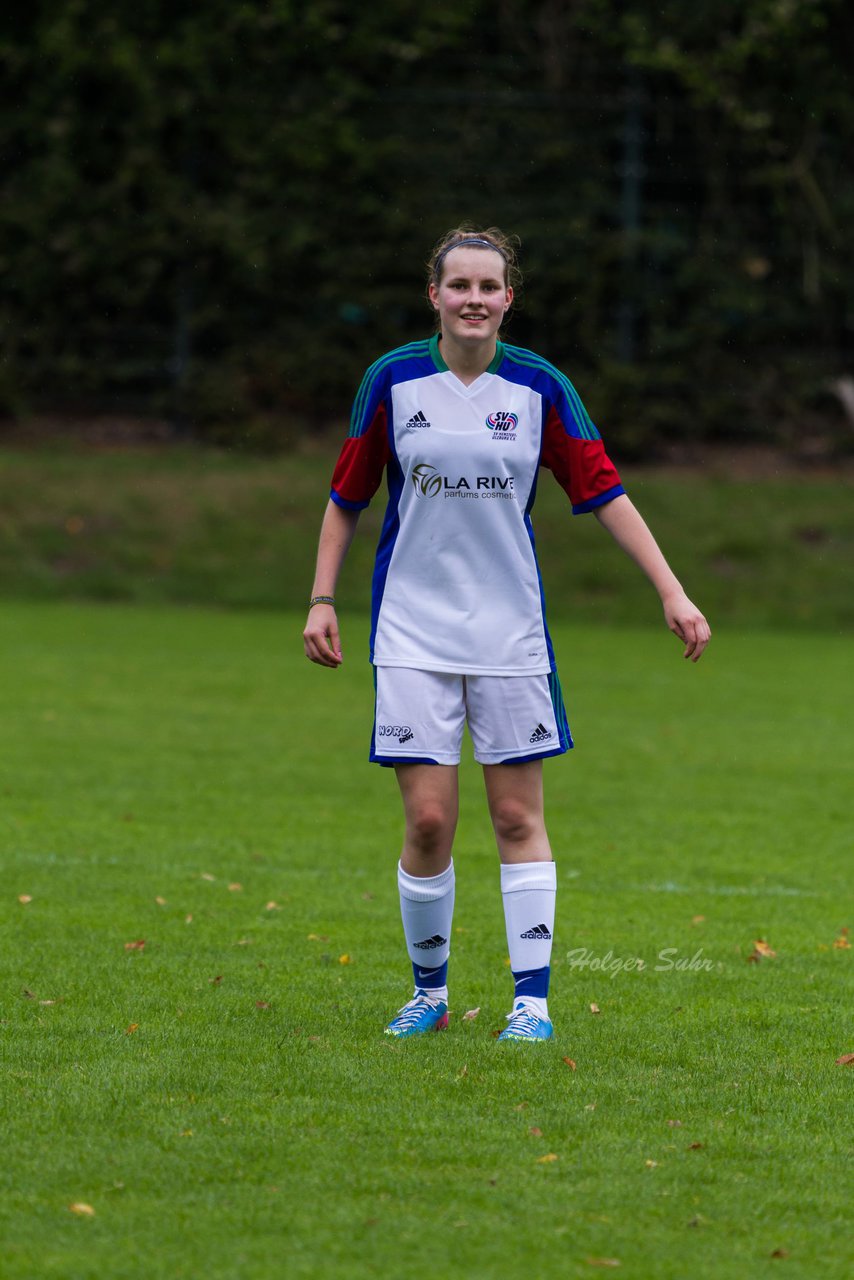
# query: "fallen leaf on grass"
272,906
697,919
594,1008
839,944
186,1133
696,1146
262,1004
471,1014
367,897
535,1132
161,902
82,1210
603,1262
760,951
674,1124
134,1026
215,981
651,1164
234,887
345,959
27,994
188,919
570,1062
463,1072
547,1159
138,945
847,1059
318,937
47,1002
24,898
780,1253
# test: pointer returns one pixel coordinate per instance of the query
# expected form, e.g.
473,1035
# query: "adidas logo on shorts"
430,944
539,932
541,734
417,420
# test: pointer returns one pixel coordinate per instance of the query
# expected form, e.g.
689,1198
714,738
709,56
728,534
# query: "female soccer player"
460,425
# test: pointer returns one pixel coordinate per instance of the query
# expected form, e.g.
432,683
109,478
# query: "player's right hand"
321,640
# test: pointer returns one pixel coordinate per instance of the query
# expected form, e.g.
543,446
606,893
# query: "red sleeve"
361,464
581,466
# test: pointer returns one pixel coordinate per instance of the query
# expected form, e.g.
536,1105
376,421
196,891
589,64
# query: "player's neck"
467,361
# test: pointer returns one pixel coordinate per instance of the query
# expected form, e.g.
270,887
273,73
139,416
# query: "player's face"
472,296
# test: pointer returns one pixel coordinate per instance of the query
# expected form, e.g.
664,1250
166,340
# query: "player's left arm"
629,530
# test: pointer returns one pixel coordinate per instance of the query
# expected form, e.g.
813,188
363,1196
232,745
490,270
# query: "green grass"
205,527
256,1124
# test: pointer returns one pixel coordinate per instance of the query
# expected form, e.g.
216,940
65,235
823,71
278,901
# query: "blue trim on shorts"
560,711
388,762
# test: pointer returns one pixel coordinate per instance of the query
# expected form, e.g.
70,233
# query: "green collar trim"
439,359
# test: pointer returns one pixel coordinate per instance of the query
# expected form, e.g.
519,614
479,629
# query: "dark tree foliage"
221,212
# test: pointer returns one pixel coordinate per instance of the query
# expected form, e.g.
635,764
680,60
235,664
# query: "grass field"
222,1099
203,526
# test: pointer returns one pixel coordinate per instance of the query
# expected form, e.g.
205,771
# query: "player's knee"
514,821
429,827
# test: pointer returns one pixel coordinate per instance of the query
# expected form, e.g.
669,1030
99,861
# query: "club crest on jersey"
503,424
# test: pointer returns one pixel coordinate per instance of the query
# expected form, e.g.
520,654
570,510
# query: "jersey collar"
439,360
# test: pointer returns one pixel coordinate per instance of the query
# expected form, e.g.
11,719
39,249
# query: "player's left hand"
687,622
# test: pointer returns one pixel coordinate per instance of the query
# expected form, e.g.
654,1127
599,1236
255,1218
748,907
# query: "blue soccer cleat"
419,1015
524,1023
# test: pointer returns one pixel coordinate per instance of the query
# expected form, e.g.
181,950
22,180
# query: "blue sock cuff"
533,982
430,978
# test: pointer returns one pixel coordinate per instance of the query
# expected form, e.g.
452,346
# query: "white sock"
536,1003
427,910
528,891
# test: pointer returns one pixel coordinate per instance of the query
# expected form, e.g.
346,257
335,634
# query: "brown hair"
493,237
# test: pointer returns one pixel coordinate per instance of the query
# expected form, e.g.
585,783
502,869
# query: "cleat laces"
522,1022
412,1013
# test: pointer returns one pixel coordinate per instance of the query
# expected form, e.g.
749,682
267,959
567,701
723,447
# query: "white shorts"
420,717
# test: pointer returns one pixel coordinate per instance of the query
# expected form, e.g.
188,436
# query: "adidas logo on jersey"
539,932
430,944
417,420
541,734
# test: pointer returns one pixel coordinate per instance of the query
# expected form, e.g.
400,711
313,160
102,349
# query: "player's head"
471,276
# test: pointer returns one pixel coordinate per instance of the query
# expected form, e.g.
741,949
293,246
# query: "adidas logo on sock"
430,944
539,931
541,734
417,420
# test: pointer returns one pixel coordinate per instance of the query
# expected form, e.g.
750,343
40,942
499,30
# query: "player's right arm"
321,638
356,478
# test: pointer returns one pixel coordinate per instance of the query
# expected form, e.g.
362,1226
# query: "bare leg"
514,793
430,794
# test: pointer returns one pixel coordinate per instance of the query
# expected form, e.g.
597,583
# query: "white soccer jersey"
456,584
